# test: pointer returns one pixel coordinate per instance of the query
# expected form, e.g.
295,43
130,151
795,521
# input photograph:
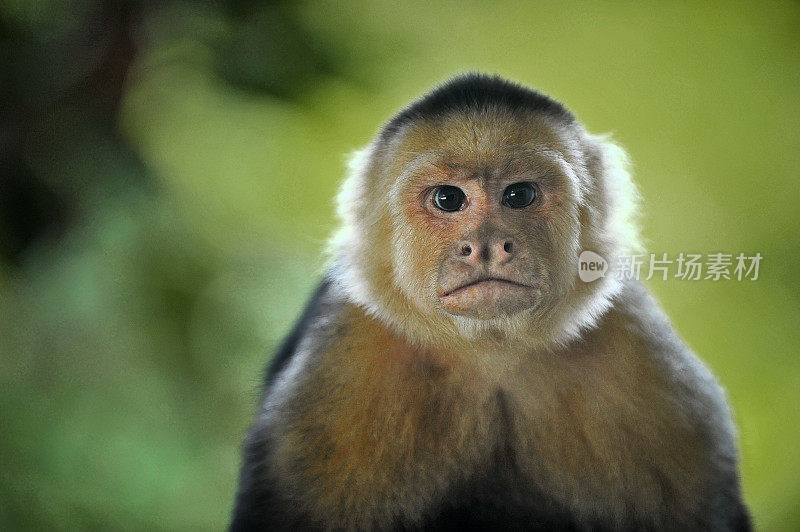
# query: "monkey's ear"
614,197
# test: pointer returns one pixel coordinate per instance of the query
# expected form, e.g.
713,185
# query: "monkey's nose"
494,252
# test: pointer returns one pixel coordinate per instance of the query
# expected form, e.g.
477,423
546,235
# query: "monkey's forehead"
479,145
490,130
530,161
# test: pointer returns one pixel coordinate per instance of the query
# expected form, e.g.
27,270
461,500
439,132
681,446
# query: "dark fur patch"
496,498
259,505
474,92
310,313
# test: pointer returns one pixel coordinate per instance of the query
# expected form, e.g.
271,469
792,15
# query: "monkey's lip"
487,281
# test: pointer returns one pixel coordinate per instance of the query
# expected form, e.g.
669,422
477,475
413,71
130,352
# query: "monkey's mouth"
484,282
488,297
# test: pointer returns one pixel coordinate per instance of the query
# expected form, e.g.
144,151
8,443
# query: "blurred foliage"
166,180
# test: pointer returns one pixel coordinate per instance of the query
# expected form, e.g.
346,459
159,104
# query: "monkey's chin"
489,299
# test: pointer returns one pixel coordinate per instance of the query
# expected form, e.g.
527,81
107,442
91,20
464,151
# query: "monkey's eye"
519,195
448,198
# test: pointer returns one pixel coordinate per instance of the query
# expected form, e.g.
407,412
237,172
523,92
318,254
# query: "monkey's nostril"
507,247
466,250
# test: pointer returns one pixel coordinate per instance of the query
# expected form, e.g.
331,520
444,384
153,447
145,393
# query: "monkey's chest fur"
376,436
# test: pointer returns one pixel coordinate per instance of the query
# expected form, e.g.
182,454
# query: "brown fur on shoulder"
384,429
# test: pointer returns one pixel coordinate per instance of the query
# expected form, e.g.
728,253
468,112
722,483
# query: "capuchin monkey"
452,371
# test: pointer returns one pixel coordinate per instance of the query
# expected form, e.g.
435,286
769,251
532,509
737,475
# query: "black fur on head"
475,92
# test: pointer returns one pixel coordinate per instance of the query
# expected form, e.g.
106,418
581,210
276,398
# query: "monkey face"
487,228
488,266
466,218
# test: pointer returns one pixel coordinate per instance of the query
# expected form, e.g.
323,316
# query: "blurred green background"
167,172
